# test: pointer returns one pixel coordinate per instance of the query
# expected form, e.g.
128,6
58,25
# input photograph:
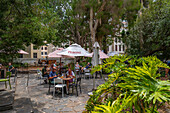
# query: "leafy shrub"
132,86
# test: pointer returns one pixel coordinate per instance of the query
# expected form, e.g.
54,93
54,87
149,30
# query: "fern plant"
131,87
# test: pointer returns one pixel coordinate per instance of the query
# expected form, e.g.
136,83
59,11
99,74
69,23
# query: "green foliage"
24,22
150,34
115,107
75,17
131,87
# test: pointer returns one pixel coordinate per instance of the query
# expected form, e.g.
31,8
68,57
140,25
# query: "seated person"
55,64
71,76
45,73
87,66
39,62
53,74
51,68
77,66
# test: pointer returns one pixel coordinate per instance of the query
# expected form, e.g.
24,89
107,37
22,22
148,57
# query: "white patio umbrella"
74,50
56,55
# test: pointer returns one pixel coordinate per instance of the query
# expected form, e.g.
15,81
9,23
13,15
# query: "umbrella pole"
60,66
74,67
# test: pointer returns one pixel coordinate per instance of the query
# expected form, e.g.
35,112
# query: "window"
34,55
21,56
123,47
116,40
45,48
119,40
119,47
115,47
45,53
34,47
41,53
41,48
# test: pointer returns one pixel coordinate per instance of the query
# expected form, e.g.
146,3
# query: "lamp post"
95,59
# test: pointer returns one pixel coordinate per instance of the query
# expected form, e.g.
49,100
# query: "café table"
67,82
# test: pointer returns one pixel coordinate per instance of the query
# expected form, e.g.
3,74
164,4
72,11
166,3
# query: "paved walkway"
35,97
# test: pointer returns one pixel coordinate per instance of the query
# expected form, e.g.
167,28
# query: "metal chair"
39,74
87,73
60,84
76,85
7,78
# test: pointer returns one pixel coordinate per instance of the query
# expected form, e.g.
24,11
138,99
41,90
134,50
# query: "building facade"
117,45
41,52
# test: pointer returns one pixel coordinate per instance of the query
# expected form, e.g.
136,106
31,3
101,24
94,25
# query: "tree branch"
154,51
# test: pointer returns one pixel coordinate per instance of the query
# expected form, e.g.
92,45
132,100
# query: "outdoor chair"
7,78
76,85
60,84
39,74
50,83
98,72
77,71
87,73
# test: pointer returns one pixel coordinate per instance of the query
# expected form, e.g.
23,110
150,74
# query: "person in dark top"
39,62
44,71
47,60
88,65
11,68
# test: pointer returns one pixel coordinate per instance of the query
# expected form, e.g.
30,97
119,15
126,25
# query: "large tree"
24,22
87,21
151,35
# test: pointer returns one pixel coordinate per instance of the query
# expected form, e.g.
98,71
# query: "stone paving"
35,98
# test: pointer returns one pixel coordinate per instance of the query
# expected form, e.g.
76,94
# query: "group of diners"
52,73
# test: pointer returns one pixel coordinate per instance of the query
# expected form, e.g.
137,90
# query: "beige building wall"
41,52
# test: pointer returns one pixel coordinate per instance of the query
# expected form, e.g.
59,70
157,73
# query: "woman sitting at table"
70,75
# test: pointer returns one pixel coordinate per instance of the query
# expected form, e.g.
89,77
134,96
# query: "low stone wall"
30,61
34,61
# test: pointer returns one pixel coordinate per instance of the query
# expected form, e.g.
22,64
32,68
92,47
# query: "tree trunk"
92,37
93,23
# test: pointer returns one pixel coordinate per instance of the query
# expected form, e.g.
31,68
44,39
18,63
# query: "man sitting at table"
87,67
53,74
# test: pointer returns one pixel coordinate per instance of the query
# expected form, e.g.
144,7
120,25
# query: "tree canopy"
86,21
151,35
24,22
